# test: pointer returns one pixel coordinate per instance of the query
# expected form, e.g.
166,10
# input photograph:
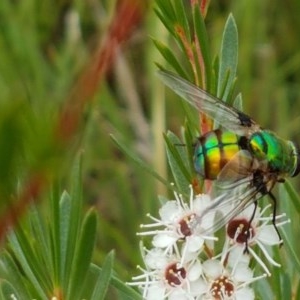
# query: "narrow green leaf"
166,9
169,56
178,162
202,37
286,286
238,102
228,57
223,89
125,289
103,281
263,290
181,18
8,292
292,254
230,95
83,254
42,243
215,76
27,259
54,234
276,277
297,293
75,219
293,195
190,141
139,162
65,207
12,273
166,23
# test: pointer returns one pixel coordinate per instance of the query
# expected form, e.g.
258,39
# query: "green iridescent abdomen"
278,153
213,151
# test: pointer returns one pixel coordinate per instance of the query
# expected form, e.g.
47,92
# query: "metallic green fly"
241,157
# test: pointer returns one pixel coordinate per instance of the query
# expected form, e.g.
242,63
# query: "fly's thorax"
213,151
278,153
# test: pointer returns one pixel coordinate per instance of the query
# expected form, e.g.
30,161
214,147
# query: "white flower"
227,283
168,277
247,230
179,222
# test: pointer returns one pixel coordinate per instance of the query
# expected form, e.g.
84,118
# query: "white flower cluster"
183,264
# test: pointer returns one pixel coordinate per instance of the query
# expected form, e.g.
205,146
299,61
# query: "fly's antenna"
184,145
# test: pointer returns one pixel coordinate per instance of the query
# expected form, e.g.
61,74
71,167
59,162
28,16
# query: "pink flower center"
240,230
175,274
222,288
185,225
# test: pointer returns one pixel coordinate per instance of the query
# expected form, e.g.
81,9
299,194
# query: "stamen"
265,252
259,261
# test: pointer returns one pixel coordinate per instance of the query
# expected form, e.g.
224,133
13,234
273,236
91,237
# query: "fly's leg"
248,233
258,183
274,200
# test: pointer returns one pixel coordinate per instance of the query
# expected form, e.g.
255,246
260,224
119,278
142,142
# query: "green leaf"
181,18
104,278
54,236
292,254
8,292
75,219
41,243
30,265
190,141
65,208
286,286
263,290
238,102
138,161
178,162
297,293
170,57
294,196
125,289
166,13
10,270
228,57
202,37
83,254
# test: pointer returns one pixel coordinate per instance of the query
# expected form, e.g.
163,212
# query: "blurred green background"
45,44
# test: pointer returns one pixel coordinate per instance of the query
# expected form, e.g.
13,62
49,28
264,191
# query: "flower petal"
212,268
170,210
268,235
194,243
155,291
194,271
156,259
244,294
242,273
163,240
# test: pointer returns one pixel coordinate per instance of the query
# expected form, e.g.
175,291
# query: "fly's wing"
227,116
232,202
236,171
227,206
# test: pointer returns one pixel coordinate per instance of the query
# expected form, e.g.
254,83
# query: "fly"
240,157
